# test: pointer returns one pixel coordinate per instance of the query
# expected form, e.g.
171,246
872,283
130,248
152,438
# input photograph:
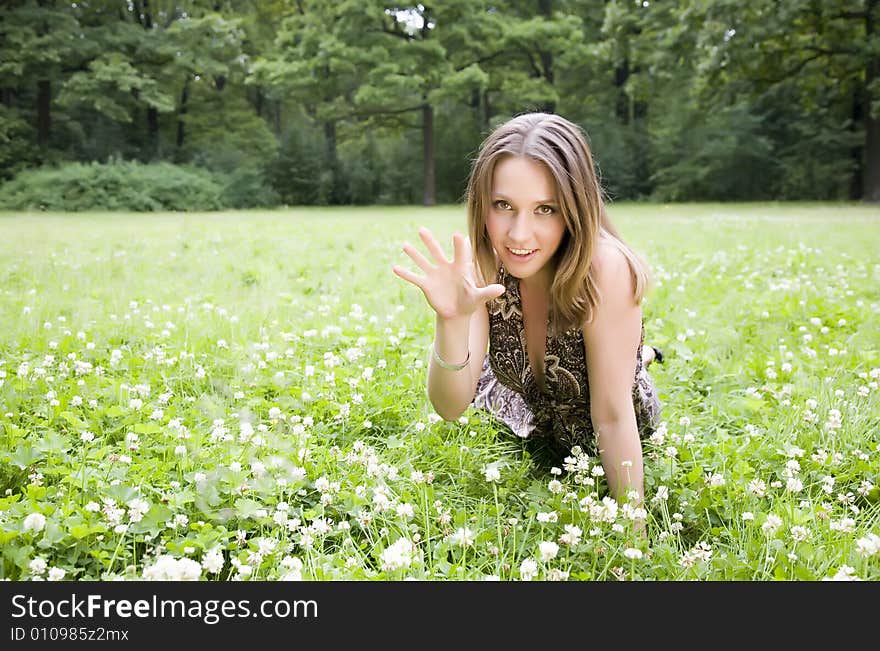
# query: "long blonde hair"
561,146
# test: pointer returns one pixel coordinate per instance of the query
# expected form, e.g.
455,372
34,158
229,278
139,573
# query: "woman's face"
524,221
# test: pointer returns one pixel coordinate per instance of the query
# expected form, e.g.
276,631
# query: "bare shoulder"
611,337
612,272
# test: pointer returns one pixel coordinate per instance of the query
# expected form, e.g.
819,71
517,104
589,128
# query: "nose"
520,231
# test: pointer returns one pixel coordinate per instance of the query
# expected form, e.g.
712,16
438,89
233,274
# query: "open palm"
449,286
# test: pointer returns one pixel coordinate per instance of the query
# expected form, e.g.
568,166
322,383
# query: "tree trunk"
545,7
44,112
147,17
44,97
332,161
181,113
856,187
485,113
258,101
429,190
621,74
872,123
152,133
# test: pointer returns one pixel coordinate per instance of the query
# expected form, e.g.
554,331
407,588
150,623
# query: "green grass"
244,338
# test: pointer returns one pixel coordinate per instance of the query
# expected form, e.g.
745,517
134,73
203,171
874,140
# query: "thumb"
489,292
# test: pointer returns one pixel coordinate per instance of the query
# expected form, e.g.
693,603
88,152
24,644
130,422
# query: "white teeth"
522,251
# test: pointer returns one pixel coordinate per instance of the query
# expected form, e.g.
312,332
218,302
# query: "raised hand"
449,286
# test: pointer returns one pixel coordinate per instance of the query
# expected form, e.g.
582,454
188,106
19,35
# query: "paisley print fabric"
561,411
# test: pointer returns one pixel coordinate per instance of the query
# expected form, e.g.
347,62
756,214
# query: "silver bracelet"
447,365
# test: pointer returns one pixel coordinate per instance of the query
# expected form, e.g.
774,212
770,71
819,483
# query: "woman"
562,321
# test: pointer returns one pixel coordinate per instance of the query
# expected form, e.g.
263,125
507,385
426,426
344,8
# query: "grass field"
240,396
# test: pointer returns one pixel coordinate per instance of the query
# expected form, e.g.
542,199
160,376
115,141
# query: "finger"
409,276
460,254
491,291
432,245
418,258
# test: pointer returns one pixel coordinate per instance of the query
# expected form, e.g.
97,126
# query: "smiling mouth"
521,253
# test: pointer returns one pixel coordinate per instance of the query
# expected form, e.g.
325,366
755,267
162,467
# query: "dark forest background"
367,102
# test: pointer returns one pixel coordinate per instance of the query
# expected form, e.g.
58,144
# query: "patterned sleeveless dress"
561,412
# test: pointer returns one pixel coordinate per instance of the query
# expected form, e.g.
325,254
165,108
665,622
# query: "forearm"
450,392
620,450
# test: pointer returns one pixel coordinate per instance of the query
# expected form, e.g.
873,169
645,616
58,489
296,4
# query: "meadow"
240,396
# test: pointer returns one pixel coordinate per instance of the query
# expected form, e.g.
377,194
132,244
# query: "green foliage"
720,155
15,153
700,99
112,186
296,173
110,85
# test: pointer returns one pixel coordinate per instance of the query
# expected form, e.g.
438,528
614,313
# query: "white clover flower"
547,550
701,552
633,553
757,487
771,524
398,556
463,537
845,573
34,522
168,568
555,574
747,516
56,574
548,516
492,473
662,494
572,535
528,569
869,545
834,419
213,561
137,509
38,566
799,533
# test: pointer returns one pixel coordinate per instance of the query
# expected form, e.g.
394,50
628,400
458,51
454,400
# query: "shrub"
116,185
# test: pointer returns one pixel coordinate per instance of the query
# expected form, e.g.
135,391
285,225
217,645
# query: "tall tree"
309,64
38,40
792,50
417,57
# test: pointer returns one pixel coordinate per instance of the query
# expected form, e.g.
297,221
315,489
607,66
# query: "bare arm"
458,298
451,392
611,341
